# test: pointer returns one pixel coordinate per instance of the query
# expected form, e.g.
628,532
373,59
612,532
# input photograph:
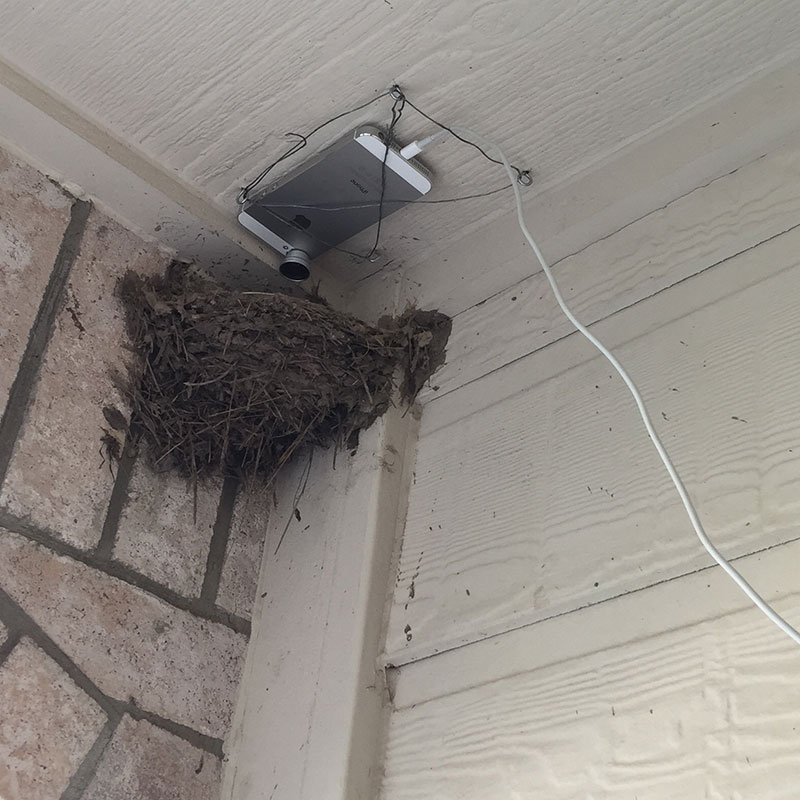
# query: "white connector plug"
416,147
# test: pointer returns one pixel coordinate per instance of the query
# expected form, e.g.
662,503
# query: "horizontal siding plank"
638,709
730,215
539,493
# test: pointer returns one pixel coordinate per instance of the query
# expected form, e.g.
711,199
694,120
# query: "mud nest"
237,382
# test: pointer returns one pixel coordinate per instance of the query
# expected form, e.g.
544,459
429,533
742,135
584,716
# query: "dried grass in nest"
236,382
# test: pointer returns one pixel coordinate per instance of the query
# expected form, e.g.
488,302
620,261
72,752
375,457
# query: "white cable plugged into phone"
415,148
751,593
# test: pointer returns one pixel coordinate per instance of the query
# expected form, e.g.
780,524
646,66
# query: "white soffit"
205,91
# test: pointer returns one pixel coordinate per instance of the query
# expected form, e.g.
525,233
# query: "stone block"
34,214
56,477
143,762
47,725
131,644
164,531
242,563
3,634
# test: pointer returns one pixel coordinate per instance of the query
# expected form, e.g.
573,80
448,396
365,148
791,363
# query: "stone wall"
124,598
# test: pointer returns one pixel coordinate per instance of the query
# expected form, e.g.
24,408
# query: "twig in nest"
297,497
110,451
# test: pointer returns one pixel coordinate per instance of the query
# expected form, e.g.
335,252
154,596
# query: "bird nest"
236,382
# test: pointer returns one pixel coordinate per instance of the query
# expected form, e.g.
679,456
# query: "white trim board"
46,131
309,717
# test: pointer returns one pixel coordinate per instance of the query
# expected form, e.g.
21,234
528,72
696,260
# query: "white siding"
676,692
546,558
701,229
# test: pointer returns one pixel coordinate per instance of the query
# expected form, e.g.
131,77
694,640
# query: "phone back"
336,195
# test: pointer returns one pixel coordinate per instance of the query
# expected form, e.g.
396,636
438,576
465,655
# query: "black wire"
466,196
420,201
298,146
347,206
444,127
397,112
369,205
400,101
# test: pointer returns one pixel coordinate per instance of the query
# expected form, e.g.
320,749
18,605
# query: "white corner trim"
159,206
309,716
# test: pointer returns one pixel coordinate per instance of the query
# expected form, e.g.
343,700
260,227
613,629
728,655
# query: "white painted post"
308,723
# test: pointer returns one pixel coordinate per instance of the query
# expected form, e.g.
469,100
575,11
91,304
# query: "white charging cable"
415,148
670,467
